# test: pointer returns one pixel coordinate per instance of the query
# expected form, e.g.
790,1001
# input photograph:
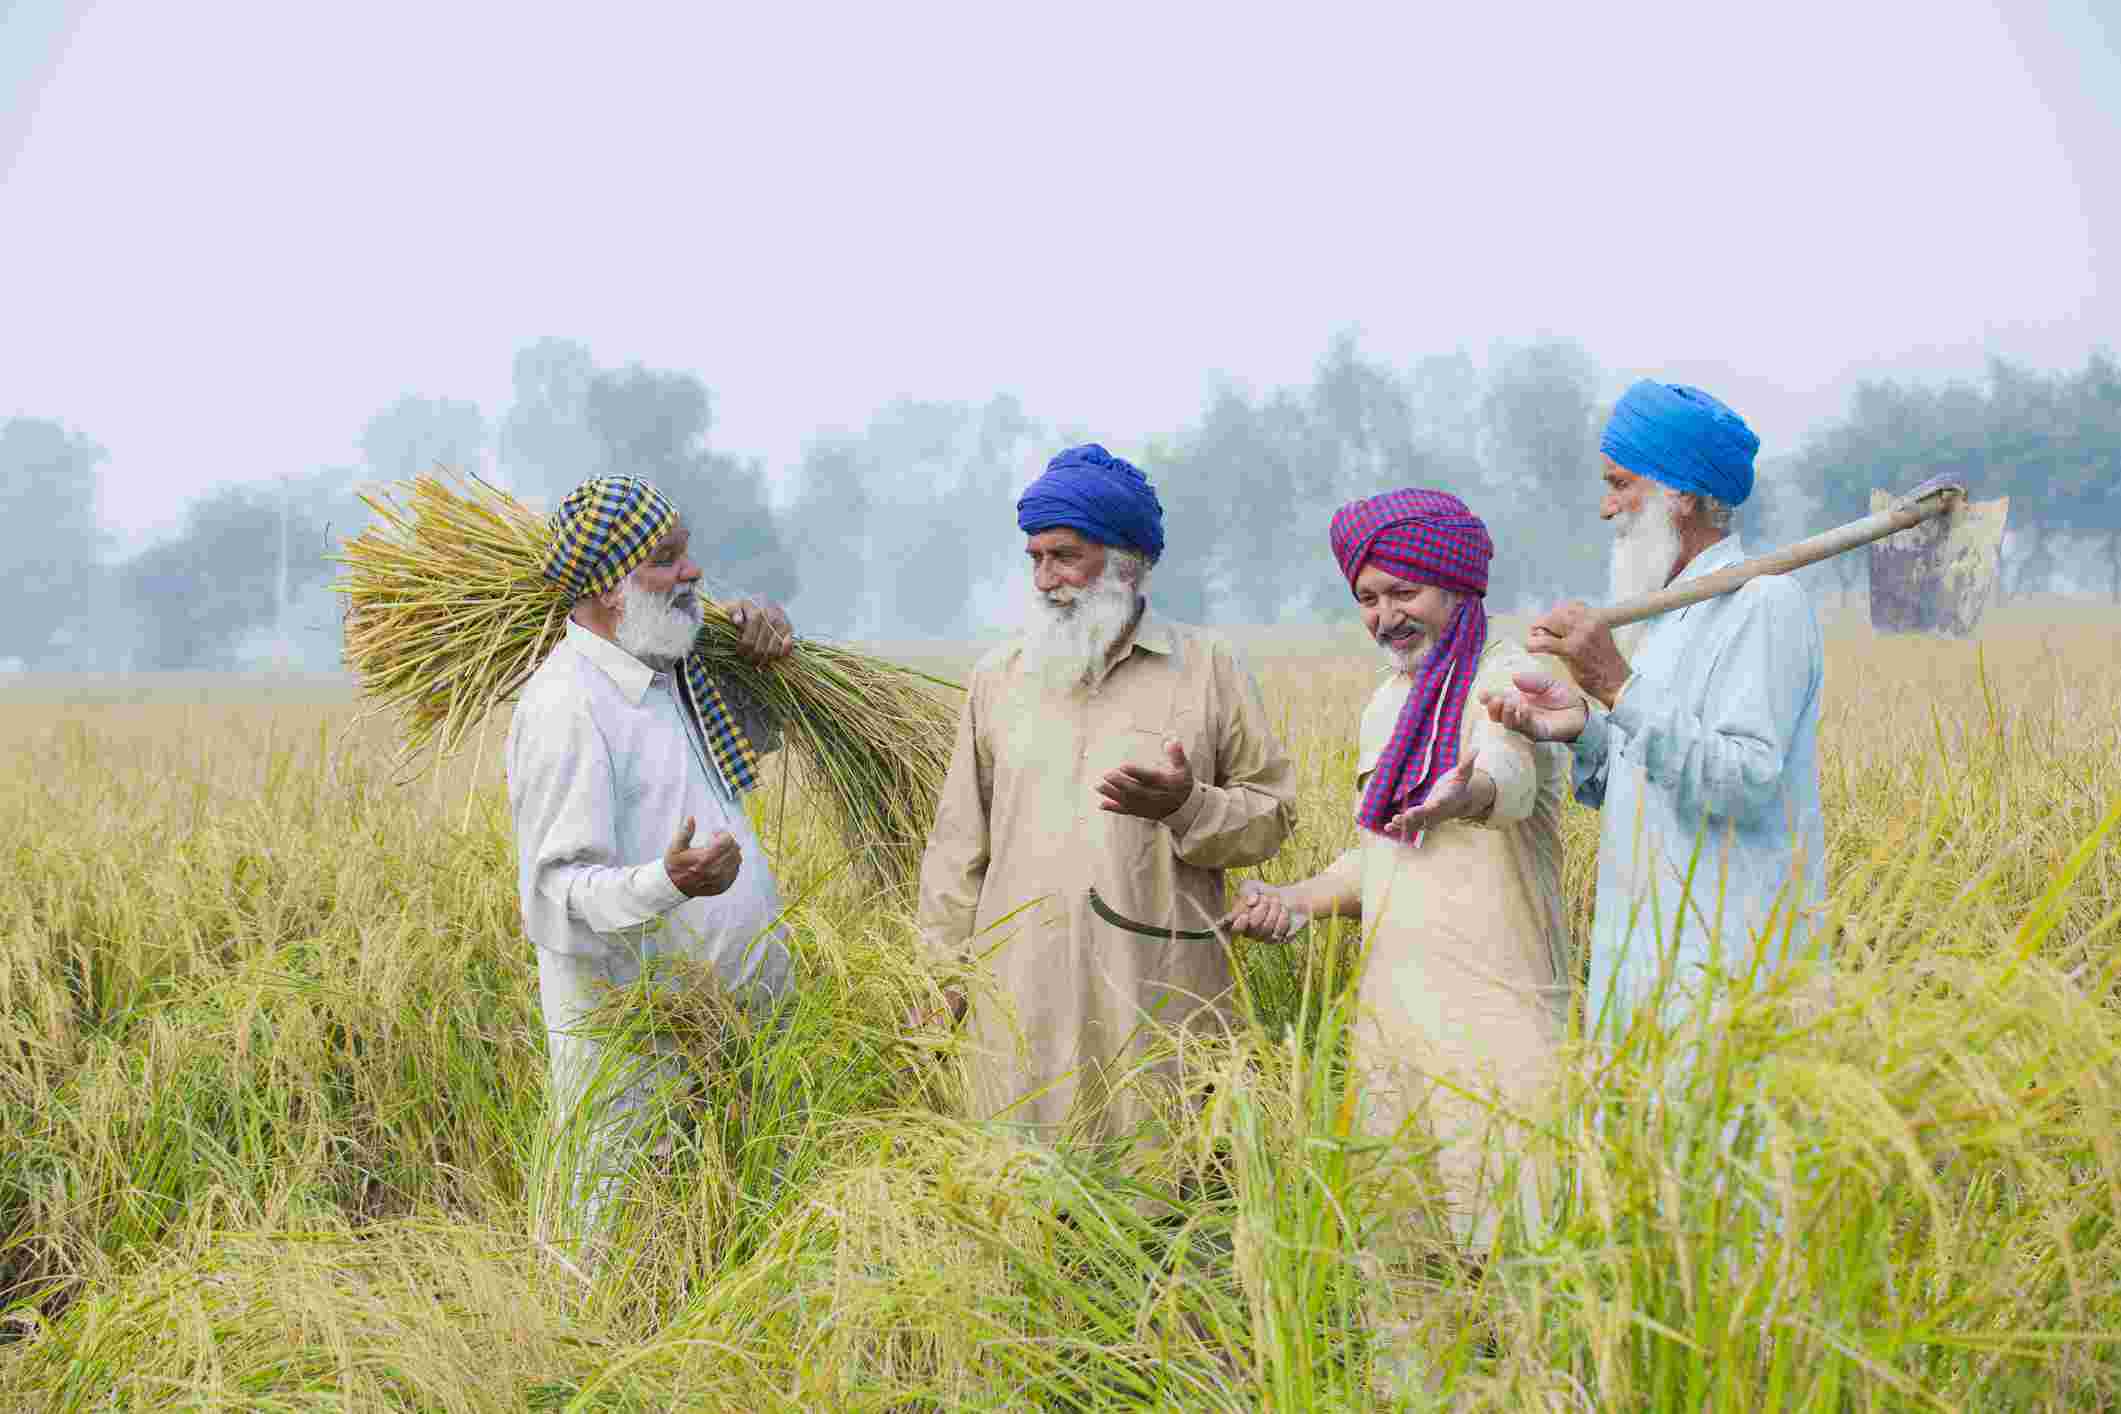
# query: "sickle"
1184,935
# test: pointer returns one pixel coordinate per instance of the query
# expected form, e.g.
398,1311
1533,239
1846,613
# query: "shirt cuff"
1181,820
651,886
1624,714
1590,744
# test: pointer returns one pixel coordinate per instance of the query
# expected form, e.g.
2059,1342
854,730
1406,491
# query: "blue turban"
1684,438
1088,489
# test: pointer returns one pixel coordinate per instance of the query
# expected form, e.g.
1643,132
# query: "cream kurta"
1467,972
1019,823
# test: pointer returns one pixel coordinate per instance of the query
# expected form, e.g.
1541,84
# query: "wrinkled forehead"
1060,537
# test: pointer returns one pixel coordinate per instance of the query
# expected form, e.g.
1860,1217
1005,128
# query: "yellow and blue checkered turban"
600,534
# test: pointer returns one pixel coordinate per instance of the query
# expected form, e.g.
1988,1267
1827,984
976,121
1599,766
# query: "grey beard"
1645,547
658,629
1405,657
1069,637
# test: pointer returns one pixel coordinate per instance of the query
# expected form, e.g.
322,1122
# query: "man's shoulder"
558,678
998,658
1780,603
1779,592
1189,641
556,698
1504,658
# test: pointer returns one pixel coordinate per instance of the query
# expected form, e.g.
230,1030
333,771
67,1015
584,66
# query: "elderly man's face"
1405,618
669,566
1625,492
1063,559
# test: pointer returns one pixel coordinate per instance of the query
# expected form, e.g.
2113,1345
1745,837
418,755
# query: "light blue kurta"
1715,742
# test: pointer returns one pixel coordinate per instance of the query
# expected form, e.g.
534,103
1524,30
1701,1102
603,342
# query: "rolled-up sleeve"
1247,811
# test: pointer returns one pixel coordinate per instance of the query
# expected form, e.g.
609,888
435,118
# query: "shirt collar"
628,673
1724,552
1151,632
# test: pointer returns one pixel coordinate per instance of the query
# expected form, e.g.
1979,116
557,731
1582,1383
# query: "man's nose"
1044,579
688,572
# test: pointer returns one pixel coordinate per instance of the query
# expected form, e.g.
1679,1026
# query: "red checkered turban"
1424,537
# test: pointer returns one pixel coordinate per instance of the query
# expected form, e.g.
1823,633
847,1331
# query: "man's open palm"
1540,707
1454,796
709,869
1152,792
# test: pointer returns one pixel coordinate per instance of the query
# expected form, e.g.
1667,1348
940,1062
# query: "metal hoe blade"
1937,577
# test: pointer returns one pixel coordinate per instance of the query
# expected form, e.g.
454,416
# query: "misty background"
842,279
905,528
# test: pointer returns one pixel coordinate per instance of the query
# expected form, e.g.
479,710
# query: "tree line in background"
906,528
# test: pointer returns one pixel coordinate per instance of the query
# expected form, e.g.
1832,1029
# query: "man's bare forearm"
1331,894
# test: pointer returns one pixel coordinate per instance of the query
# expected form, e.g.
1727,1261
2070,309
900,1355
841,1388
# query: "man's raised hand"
763,631
709,869
1572,633
1148,791
1540,707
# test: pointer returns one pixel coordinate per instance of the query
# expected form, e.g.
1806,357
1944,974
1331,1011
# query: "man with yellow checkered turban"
627,765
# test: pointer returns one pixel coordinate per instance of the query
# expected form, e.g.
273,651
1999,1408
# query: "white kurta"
604,762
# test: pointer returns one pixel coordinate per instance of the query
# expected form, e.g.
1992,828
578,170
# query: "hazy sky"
229,233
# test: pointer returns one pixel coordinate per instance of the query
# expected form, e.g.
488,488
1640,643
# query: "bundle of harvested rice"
447,616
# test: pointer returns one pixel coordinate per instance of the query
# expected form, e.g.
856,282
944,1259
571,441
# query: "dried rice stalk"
447,617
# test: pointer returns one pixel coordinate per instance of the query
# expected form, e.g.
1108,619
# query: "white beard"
657,628
1073,629
1645,547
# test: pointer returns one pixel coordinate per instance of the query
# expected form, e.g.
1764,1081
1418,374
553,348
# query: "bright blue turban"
1684,438
1088,489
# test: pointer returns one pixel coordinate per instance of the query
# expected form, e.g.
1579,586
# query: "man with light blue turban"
1109,749
1697,734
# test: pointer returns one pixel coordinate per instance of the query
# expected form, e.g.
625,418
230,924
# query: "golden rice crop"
272,1092
447,617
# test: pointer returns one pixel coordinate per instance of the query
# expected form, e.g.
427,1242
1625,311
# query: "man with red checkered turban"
1456,873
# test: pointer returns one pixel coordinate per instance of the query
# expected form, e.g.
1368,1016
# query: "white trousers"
595,1117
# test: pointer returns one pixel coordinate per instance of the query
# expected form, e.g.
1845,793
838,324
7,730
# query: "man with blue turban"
1109,749
627,764
1698,737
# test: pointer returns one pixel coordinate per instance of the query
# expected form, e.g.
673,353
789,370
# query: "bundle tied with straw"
447,615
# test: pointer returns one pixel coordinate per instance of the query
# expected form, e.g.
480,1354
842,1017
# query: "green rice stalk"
447,617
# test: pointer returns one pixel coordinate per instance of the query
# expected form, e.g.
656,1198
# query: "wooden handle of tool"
1900,516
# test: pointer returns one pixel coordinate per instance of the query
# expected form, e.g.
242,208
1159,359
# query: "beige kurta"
1019,824
1467,970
